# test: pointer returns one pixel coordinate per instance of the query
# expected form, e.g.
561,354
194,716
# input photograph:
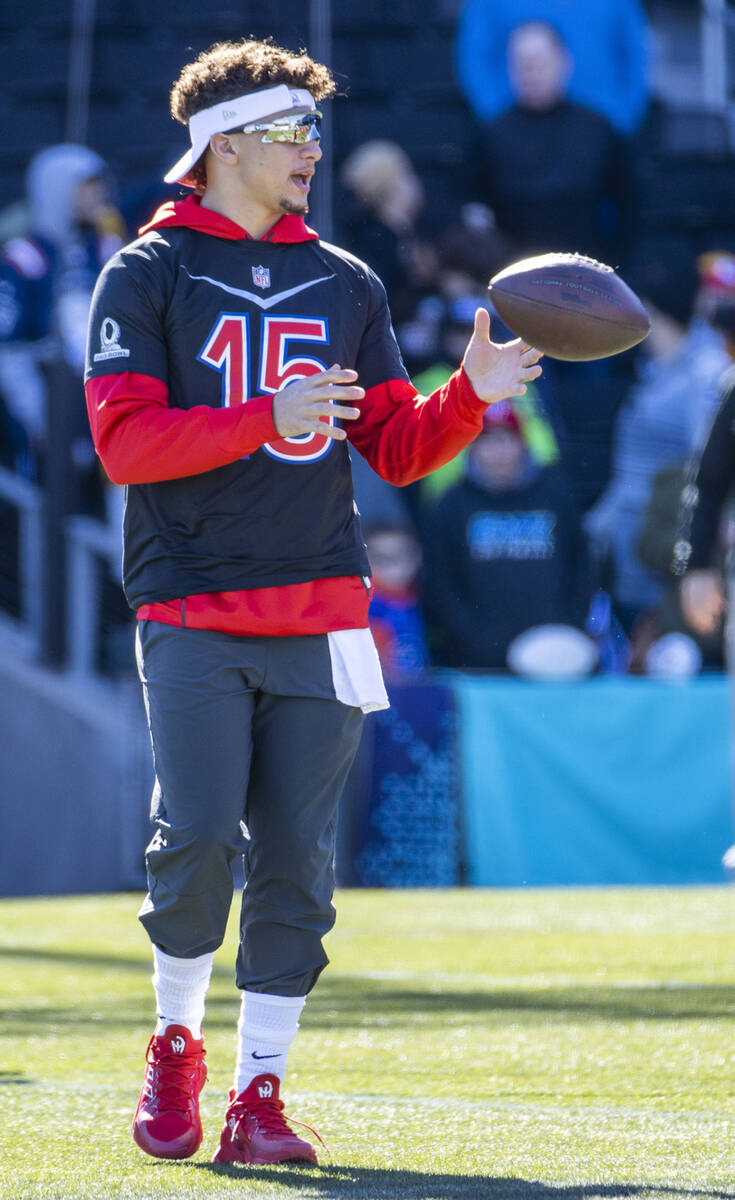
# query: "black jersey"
218,318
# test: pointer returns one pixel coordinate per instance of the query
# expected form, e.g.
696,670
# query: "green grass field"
538,1045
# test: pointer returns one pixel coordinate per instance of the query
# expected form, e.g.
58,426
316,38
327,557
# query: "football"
569,306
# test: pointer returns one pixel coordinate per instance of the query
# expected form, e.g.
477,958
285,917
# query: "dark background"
394,62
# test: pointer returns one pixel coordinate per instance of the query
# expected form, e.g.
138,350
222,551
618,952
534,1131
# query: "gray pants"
251,752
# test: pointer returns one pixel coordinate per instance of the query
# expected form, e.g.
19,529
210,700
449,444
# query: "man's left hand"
498,371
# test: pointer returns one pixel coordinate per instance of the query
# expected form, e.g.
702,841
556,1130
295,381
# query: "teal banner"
608,781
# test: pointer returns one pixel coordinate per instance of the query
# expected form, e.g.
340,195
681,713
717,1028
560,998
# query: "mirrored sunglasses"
298,128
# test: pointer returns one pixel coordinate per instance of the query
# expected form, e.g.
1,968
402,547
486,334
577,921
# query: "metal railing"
93,550
91,545
27,499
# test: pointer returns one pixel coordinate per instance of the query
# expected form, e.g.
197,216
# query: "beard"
296,208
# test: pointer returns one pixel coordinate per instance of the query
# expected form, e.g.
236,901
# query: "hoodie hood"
190,214
51,182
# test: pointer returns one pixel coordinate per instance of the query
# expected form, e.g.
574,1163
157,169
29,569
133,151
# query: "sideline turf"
514,1045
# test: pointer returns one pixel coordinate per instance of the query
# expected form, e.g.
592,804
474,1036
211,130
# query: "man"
47,274
659,424
712,472
608,40
554,172
211,396
709,486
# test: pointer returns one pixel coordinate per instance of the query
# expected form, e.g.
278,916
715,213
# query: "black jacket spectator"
710,482
554,172
501,560
556,179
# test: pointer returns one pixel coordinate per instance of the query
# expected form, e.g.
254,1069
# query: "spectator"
658,426
46,282
556,174
138,199
704,498
667,625
536,426
468,252
717,289
505,552
708,487
396,618
383,221
607,40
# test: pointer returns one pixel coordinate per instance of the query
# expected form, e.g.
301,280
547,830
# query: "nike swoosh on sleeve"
261,301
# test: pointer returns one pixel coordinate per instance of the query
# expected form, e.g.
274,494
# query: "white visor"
230,114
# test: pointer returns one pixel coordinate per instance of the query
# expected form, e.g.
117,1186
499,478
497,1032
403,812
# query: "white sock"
266,1029
181,986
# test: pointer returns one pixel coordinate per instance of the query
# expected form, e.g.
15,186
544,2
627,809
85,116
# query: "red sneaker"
166,1122
256,1130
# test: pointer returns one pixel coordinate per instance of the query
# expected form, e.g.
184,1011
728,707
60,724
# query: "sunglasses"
298,128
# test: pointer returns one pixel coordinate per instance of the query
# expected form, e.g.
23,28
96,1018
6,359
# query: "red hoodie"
141,439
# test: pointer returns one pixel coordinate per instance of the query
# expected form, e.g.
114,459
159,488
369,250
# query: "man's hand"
498,371
297,408
702,600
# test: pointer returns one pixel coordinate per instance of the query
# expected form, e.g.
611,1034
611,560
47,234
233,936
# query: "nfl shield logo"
261,277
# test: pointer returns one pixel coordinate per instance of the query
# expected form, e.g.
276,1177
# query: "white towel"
356,673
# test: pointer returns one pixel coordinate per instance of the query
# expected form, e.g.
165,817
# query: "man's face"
395,558
498,457
277,175
90,197
539,67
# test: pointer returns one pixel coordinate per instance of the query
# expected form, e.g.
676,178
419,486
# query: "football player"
231,354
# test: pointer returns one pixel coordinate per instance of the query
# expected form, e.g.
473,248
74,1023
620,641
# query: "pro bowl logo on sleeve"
261,277
110,342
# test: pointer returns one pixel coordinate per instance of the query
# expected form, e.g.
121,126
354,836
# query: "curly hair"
230,69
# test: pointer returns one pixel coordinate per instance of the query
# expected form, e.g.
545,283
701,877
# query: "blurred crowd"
545,549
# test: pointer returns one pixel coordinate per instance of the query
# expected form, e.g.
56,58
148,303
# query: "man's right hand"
702,600
498,370
298,407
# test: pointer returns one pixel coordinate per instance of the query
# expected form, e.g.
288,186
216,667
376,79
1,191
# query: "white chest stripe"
261,301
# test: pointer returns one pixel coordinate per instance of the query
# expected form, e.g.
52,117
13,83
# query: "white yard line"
542,982
404,1104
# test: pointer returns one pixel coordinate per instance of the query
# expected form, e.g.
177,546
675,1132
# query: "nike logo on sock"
254,1054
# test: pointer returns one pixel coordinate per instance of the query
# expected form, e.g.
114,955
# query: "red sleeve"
139,439
404,435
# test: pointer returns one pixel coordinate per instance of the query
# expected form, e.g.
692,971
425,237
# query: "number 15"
227,350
